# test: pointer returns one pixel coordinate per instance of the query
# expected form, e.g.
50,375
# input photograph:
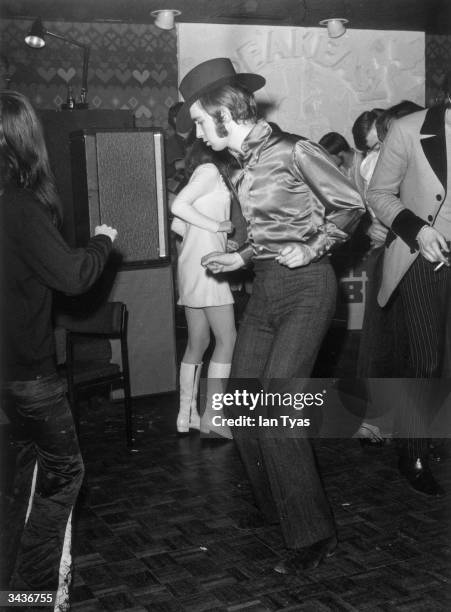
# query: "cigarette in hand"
438,266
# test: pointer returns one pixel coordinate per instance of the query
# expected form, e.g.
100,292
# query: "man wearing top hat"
298,206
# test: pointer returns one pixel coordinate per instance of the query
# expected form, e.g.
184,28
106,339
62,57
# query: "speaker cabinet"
120,174
58,126
118,179
149,295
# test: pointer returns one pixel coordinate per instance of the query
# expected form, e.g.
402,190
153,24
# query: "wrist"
239,259
310,250
407,225
425,226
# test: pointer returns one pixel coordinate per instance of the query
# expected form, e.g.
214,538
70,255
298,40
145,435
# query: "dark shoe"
419,476
307,558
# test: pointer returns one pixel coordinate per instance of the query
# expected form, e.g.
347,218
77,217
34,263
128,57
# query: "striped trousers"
425,297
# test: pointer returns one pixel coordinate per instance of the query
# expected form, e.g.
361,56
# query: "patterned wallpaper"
135,67
131,67
438,61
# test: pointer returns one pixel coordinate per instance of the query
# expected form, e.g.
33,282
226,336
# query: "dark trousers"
383,342
44,435
279,337
425,297
383,346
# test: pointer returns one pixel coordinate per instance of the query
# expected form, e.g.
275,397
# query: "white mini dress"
197,286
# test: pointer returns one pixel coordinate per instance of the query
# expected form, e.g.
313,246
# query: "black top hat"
207,76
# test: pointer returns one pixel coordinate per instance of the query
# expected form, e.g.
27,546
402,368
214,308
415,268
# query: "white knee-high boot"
218,375
188,416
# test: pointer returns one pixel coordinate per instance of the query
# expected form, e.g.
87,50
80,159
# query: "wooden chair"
88,367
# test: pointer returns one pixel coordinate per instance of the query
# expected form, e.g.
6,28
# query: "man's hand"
295,255
377,233
433,245
226,226
232,246
222,262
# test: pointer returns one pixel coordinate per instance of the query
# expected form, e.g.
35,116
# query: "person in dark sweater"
35,261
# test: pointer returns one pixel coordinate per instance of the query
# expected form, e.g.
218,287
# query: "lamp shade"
335,27
164,19
35,37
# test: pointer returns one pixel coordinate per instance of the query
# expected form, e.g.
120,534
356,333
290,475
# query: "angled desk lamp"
36,39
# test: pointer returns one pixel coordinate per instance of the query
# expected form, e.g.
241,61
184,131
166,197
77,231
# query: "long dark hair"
24,159
199,153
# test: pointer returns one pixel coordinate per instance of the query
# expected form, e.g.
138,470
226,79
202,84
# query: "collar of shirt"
254,143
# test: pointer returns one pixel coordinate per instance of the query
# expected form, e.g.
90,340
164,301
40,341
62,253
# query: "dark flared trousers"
45,437
279,337
383,342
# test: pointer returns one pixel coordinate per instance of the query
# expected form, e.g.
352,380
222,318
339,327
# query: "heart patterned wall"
131,66
438,62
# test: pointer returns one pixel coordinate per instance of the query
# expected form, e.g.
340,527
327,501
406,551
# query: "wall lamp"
165,19
336,27
36,39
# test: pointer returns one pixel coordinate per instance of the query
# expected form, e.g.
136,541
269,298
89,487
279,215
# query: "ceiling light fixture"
335,27
164,19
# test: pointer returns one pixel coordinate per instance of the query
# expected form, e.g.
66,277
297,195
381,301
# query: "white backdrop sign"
314,84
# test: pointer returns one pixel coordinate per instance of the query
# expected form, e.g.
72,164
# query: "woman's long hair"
199,153
24,159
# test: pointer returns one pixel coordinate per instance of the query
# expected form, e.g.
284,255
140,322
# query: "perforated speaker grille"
129,179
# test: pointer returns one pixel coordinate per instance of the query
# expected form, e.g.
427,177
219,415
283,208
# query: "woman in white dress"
201,216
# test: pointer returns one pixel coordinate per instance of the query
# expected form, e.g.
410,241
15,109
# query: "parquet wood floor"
157,529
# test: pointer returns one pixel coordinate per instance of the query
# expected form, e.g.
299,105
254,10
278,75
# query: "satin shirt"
291,191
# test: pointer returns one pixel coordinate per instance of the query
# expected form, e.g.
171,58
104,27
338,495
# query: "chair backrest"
108,320
86,368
